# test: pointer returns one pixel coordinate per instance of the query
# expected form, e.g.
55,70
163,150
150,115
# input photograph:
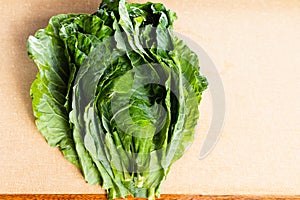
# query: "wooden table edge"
163,197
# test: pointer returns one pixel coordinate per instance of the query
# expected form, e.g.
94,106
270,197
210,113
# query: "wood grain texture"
163,197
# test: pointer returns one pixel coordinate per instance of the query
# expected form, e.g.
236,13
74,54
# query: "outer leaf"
49,89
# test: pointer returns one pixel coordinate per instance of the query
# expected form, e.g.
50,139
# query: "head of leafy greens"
118,92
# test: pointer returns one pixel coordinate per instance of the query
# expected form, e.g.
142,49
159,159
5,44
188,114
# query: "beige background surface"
256,48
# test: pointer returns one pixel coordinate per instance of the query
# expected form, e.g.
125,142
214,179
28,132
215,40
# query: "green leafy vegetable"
118,93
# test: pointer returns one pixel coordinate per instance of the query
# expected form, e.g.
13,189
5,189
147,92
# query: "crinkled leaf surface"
118,93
